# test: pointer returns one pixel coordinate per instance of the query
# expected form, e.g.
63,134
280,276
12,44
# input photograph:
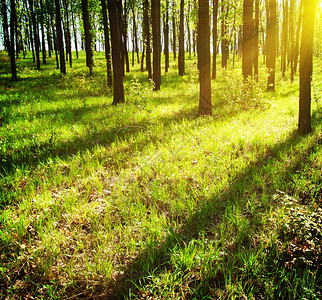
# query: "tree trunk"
31,37
306,66
115,27
223,38
174,28
136,38
75,35
42,13
5,26
147,39
88,37
133,39
35,30
271,43
166,36
68,35
181,59
107,45
233,37
13,20
155,12
205,107
188,29
247,60
123,16
284,36
297,38
291,37
255,40
49,39
60,44
214,38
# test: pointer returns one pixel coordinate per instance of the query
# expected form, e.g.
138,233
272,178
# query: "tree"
224,41
60,43
75,34
297,38
181,40
247,60
271,43
255,39
146,36
43,44
291,37
205,107
174,35
123,18
166,36
214,38
88,37
107,44
115,27
156,36
13,20
306,66
284,37
68,37
35,31
5,25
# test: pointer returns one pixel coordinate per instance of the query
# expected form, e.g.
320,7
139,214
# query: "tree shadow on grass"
36,152
208,216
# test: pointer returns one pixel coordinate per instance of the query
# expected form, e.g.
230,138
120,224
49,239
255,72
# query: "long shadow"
38,152
209,215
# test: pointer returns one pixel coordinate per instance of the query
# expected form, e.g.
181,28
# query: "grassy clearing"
147,200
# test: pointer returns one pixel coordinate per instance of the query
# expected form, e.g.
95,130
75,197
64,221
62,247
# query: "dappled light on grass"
147,199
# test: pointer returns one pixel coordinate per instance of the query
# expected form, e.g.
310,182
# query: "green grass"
147,199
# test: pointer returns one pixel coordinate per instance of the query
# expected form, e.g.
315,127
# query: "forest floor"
146,200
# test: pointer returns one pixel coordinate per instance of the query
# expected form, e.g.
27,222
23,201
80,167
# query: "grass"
147,200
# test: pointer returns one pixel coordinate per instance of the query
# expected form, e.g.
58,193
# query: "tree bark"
13,20
223,37
136,37
5,26
155,12
271,44
115,27
284,37
297,38
255,40
75,35
247,60
60,44
107,45
42,32
214,38
181,60
88,37
205,107
306,66
188,29
68,35
147,38
291,37
166,36
35,31
174,29
123,16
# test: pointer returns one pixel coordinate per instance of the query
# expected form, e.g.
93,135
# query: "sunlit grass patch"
147,199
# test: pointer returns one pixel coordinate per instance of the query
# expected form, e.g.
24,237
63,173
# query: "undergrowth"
147,200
